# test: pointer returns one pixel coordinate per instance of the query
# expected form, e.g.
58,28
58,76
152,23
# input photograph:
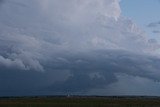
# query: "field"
80,102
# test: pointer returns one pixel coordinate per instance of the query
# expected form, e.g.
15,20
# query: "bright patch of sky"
143,12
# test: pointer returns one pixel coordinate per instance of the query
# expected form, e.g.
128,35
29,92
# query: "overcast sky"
84,47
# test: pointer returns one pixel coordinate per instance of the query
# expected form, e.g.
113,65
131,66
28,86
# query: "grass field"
79,102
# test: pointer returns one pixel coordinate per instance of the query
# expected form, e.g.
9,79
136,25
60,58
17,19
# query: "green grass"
79,102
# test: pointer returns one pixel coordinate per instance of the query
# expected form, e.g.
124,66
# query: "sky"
143,13
87,47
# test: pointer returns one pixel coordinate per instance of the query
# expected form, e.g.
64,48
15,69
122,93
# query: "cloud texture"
70,46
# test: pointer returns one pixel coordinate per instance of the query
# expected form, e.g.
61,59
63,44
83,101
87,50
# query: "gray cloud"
154,24
156,31
76,45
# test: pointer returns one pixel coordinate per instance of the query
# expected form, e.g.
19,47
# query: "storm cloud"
59,46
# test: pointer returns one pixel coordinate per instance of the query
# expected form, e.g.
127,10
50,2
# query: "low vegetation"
79,102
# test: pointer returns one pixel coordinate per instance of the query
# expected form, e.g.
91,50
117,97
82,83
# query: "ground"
79,101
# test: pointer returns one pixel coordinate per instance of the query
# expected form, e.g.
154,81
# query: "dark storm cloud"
79,73
19,82
80,83
98,69
1,2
